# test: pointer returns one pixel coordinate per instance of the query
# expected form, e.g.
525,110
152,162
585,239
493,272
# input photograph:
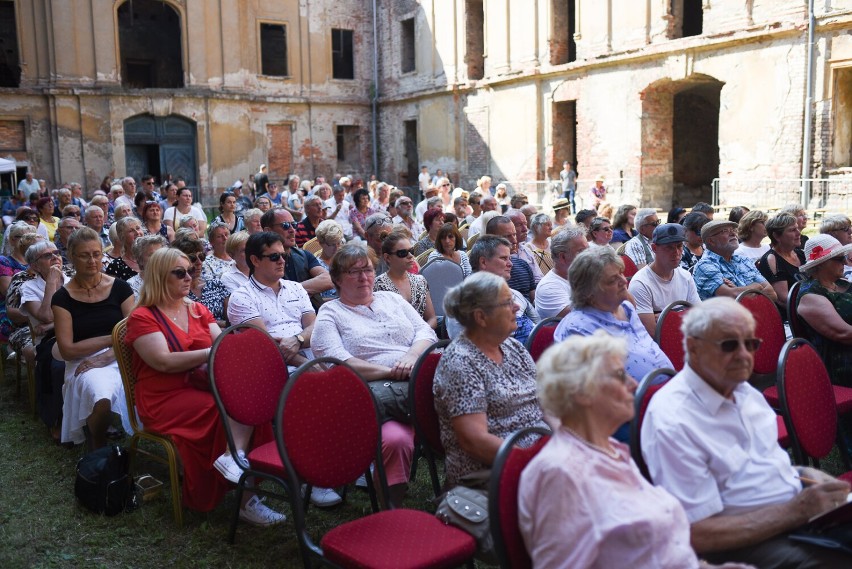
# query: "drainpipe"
809,97
375,93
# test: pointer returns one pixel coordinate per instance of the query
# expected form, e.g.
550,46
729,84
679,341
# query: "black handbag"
103,483
392,398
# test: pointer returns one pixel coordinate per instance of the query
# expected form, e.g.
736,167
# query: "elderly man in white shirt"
639,248
553,293
337,208
710,439
487,203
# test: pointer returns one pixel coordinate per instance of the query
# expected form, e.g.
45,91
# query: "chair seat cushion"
846,477
265,458
398,538
783,435
843,396
771,396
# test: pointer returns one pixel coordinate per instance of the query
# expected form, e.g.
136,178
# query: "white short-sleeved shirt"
552,295
653,294
33,291
175,216
342,216
716,455
753,253
380,333
233,279
281,313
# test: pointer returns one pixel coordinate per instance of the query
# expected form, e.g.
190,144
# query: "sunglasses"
194,258
274,257
181,273
287,225
730,346
403,253
653,223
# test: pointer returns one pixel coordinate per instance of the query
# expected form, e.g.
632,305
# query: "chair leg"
31,386
418,452
433,473
174,481
18,375
232,533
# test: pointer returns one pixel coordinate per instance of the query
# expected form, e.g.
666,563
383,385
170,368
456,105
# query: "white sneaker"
362,480
228,467
257,513
325,497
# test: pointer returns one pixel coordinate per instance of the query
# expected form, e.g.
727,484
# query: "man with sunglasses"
405,216
710,439
720,271
638,248
301,267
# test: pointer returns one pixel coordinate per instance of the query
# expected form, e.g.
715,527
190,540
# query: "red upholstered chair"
503,498
541,336
770,329
247,375
668,335
328,432
630,268
797,327
808,404
648,386
423,414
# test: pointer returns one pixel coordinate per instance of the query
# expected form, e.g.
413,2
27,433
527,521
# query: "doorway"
160,146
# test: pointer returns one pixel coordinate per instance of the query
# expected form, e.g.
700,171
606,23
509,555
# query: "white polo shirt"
281,313
552,295
653,294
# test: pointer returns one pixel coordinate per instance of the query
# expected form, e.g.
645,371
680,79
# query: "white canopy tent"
6,166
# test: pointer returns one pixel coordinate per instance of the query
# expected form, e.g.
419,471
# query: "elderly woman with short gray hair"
839,226
125,266
143,248
600,301
541,226
567,492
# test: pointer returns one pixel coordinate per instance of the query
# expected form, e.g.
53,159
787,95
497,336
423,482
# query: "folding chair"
668,335
770,329
503,497
442,275
541,336
648,387
247,375
328,432
630,268
808,405
423,415
124,357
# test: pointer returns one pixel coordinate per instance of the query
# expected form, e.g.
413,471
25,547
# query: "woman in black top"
780,265
85,311
125,267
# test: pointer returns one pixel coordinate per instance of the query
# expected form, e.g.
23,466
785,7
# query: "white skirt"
80,394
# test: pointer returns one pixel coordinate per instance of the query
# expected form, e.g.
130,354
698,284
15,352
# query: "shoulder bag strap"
172,340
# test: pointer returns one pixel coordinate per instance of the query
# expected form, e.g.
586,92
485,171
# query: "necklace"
176,316
89,289
609,451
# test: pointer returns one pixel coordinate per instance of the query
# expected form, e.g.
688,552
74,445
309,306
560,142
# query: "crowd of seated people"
357,295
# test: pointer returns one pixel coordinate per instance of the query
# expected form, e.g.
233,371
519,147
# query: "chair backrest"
247,374
629,266
807,401
472,241
648,387
668,335
327,426
124,357
503,497
796,325
421,258
769,328
422,401
541,336
442,275
312,246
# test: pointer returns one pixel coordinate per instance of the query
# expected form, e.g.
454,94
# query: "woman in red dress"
171,335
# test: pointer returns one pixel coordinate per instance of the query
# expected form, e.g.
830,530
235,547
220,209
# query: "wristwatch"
301,340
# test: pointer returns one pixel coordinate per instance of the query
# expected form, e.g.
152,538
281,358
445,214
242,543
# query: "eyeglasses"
621,375
730,346
54,253
274,257
652,223
148,183
31,218
607,229
287,225
445,185
505,304
181,273
354,273
89,256
195,258
473,203
403,253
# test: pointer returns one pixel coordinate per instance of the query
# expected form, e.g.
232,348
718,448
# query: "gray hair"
312,198
64,192
122,224
142,247
186,233
216,225
834,222
186,218
478,291
234,241
250,214
377,221
573,367
793,209
114,187
701,318
398,201
777,224
561,242
20,228
642,215
585,273
433,201
122,207
486,248
92,209
113,234
35,250
329,230
539,220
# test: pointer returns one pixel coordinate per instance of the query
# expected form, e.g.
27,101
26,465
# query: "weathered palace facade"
660,96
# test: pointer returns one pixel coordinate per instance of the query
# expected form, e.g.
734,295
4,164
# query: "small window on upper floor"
687,18
273,50
348,146
408,62
342,54
10,68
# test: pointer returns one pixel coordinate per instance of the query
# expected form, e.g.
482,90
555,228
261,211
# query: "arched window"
149,39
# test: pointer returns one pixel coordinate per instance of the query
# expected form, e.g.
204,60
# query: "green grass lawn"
42,526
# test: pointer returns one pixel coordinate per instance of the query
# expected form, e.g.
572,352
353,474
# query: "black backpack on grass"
103,482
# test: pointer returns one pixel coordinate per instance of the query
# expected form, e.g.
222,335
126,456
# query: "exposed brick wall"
280,150
12,136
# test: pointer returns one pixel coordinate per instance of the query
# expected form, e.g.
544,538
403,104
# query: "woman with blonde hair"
484,185
330,237
751,231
